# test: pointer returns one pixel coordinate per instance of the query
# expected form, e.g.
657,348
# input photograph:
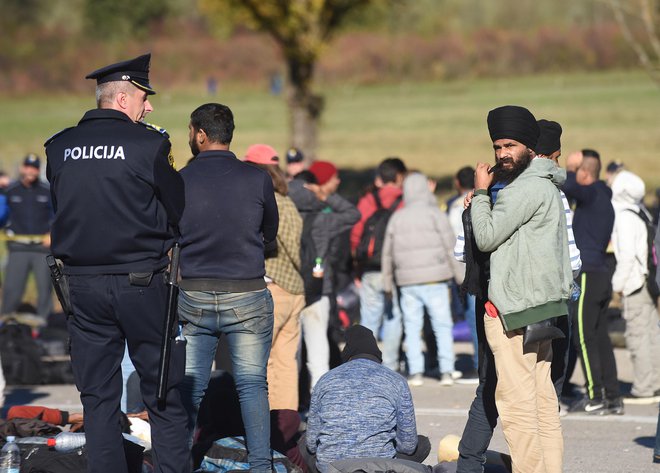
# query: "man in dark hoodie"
330,215
593,223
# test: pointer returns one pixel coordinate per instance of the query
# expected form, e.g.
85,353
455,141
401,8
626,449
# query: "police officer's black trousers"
107,311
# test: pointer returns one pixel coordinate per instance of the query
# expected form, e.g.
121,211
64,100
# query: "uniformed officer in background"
30,212
117,198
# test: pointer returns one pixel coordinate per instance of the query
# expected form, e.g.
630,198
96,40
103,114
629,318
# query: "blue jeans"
247,321
435,298
375,312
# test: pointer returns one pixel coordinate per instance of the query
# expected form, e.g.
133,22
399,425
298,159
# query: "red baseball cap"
323,171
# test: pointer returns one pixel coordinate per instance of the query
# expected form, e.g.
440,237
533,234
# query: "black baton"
170,321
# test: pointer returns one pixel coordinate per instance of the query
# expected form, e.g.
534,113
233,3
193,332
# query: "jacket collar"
104,114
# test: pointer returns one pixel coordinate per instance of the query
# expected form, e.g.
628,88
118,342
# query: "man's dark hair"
590,153
306,176
465,177
390,168
216,120
592,163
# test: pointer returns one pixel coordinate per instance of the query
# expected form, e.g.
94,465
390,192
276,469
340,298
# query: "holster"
60,284
140,279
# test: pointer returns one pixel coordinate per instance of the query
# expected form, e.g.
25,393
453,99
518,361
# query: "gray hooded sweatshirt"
419,241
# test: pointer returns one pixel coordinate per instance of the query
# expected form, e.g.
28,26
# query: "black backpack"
370,248
308,255
651,257
21,355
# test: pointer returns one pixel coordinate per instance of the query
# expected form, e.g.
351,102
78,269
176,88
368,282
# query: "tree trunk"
305,107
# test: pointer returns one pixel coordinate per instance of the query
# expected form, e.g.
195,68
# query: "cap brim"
146,87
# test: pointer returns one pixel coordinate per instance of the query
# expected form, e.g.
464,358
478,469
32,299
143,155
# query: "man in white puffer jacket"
630,241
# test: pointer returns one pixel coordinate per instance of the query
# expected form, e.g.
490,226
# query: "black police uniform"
116,197
30,214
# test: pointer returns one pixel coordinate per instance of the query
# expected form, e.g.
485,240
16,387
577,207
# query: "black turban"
550,138
514,123
360,341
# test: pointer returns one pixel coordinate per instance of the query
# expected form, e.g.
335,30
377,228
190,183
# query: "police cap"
32,160
136,71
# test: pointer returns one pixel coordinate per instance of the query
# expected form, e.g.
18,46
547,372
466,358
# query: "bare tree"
638,20
302,28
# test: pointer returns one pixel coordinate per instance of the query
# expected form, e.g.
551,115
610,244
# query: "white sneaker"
456,374
416,380
446,379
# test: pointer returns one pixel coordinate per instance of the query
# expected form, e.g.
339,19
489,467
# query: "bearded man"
530,275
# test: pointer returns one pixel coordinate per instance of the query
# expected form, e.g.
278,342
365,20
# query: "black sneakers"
615,406
589,406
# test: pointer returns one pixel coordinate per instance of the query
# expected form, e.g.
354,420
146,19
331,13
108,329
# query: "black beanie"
549,139
360,341
514,123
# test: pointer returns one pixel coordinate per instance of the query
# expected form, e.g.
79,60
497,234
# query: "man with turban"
530,282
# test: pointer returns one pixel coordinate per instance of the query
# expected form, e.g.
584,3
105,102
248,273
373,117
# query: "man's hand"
574,161
468,199
317,191
482,179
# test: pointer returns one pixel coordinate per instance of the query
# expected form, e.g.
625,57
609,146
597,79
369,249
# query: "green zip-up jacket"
530,270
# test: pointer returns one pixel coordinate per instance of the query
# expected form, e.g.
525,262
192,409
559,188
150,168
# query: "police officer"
30,212
116,198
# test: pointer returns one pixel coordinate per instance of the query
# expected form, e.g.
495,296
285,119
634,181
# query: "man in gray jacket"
418,257
530,276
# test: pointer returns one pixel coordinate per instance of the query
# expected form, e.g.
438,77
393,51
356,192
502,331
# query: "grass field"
435,127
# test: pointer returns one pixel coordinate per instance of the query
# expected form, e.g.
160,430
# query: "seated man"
361,409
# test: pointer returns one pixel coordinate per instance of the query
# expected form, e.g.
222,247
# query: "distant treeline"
52,44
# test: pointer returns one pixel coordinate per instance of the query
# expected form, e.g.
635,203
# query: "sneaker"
615,406
631,398
589,406
446,379
456,374
656,458
416,380
470,377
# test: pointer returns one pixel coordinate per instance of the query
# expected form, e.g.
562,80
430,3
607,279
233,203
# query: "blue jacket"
360,409
593,221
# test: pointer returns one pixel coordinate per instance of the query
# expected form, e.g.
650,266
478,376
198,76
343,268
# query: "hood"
547,169
628,190
416,189
304,199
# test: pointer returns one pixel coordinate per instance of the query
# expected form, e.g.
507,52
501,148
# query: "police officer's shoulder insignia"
170,159
152,127
52,138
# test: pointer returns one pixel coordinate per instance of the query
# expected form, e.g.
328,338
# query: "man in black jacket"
116,198
230,217
30,214
592,225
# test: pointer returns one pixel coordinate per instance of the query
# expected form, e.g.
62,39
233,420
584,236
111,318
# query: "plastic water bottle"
317,270
32,441
10,457
67,441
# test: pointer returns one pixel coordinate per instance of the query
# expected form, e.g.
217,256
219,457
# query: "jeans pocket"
188,312
257,317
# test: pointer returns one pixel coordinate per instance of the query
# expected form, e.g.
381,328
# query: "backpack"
20,353
651,257
308,255
230,454
370,247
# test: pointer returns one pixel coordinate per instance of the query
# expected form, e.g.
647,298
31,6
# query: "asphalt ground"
593,444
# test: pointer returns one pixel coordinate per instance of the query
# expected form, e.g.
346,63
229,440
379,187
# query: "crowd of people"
530,251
